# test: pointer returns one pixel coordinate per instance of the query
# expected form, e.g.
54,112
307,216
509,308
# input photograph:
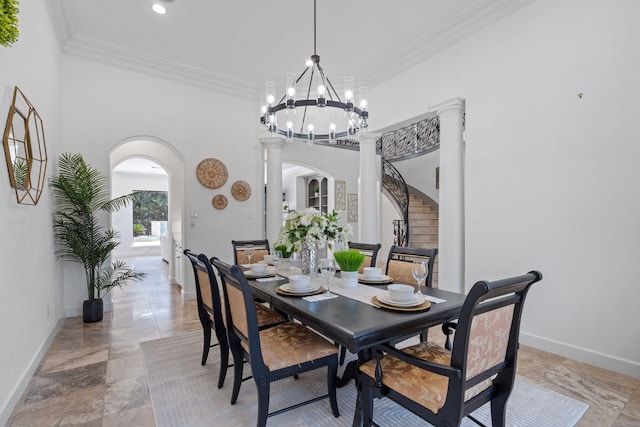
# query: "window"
150,214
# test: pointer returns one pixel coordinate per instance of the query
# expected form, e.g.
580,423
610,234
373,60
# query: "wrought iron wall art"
341,195
352,207
25,149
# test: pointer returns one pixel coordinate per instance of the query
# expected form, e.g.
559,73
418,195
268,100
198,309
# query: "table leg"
350,373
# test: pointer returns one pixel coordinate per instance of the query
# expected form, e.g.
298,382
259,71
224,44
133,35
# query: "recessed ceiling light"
159,9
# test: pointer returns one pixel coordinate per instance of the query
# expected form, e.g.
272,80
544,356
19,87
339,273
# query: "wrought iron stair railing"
403,143
396,188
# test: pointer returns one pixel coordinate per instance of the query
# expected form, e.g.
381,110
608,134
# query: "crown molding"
134,60
477,16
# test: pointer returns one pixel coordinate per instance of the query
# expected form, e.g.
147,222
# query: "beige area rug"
184,393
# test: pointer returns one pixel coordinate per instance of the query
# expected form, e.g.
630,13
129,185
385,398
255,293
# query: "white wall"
551,178
105,106
31,304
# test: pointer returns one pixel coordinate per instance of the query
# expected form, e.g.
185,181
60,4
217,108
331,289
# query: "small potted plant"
349,261
285,262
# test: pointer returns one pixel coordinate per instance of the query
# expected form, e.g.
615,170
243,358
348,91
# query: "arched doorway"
171,161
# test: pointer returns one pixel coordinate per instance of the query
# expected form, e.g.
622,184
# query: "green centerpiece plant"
349,261
81,197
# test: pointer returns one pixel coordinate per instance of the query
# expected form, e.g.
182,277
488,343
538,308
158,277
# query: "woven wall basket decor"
212,173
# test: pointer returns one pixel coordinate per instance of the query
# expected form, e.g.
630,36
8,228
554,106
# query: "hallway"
92,375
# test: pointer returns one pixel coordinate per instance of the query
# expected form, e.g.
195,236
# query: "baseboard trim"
20,388
607,361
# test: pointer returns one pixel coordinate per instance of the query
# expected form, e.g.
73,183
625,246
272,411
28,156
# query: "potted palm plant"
81,196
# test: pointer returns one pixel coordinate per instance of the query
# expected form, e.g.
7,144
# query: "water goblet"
328,270
248,251
275,260
419,273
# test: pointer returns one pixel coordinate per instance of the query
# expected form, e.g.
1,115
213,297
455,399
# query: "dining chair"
282,351
211,314
444,386
370,252
260,249
400,263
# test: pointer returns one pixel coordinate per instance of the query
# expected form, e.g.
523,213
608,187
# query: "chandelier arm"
304,115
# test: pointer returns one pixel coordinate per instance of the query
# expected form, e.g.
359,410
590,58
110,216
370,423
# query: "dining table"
351,317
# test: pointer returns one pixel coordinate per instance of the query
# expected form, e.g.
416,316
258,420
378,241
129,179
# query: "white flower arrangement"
308,227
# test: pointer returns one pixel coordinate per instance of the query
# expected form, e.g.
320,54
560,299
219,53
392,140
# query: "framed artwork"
341,195
352,207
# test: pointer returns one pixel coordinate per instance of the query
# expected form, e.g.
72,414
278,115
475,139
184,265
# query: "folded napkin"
434,299
319,297
268,279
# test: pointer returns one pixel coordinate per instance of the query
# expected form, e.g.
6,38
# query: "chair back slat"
488,340
260,249
237,309
370,252
400,263
205,289
242,319
258,255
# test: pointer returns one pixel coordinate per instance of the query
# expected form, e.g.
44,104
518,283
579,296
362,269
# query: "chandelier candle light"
322,109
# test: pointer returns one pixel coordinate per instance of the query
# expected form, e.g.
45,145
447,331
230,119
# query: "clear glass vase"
309,259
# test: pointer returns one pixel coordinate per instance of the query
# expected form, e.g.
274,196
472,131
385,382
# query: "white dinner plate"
415,301
383,278
287,288
270,272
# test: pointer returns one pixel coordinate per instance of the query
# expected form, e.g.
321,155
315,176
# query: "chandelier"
321,115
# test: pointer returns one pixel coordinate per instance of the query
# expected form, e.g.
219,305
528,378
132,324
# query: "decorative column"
368,189
451,216
274,186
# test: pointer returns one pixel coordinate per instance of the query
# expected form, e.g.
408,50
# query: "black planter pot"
92,311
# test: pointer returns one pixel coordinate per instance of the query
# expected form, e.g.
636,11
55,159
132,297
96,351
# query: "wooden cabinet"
317,193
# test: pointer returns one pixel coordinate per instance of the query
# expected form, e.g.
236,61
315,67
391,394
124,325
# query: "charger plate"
424,306
383,280
271,271
298,294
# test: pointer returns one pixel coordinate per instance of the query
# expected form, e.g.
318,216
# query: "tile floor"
92,375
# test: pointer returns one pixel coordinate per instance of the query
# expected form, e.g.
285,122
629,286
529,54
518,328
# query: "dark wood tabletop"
357,325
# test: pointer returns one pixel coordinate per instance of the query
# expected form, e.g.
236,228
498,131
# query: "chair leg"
332,374
224,362
238,366
366,400
263,402
498,410
206,329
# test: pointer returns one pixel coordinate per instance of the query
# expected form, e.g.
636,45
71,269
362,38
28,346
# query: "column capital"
369,138
450,106
273,141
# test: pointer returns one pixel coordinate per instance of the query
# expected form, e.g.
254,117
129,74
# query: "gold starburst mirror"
25,149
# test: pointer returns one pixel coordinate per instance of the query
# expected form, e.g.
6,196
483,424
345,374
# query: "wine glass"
275,260
328,270
248,251
419,272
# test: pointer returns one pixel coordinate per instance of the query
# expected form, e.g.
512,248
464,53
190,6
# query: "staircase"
423,228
